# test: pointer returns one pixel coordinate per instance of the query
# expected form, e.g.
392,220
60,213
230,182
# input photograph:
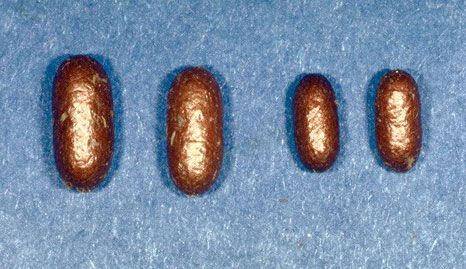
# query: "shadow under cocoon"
46,120
371,93
289,122
161,129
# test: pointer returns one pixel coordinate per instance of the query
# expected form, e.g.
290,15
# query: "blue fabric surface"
265,211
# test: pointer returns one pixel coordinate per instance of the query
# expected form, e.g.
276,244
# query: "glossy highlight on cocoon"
195,130
398,120
316,122
83,131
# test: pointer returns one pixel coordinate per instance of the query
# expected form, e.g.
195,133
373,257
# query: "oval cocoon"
316,122
398,120
195,130
82,122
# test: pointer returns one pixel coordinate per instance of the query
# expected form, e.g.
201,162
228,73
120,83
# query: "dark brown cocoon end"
83,132
316,122
195,130
398,120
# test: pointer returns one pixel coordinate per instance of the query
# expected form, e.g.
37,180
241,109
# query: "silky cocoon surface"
265,210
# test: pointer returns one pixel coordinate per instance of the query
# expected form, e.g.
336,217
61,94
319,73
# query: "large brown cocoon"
398,120
316,122
82,122
194,130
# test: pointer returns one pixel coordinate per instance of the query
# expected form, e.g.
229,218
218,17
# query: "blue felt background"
265,210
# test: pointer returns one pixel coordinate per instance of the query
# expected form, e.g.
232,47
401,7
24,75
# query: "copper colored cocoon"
194,130
83,132
398,120
316,122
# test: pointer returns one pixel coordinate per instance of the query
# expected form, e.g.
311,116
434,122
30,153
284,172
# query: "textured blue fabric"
265,211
